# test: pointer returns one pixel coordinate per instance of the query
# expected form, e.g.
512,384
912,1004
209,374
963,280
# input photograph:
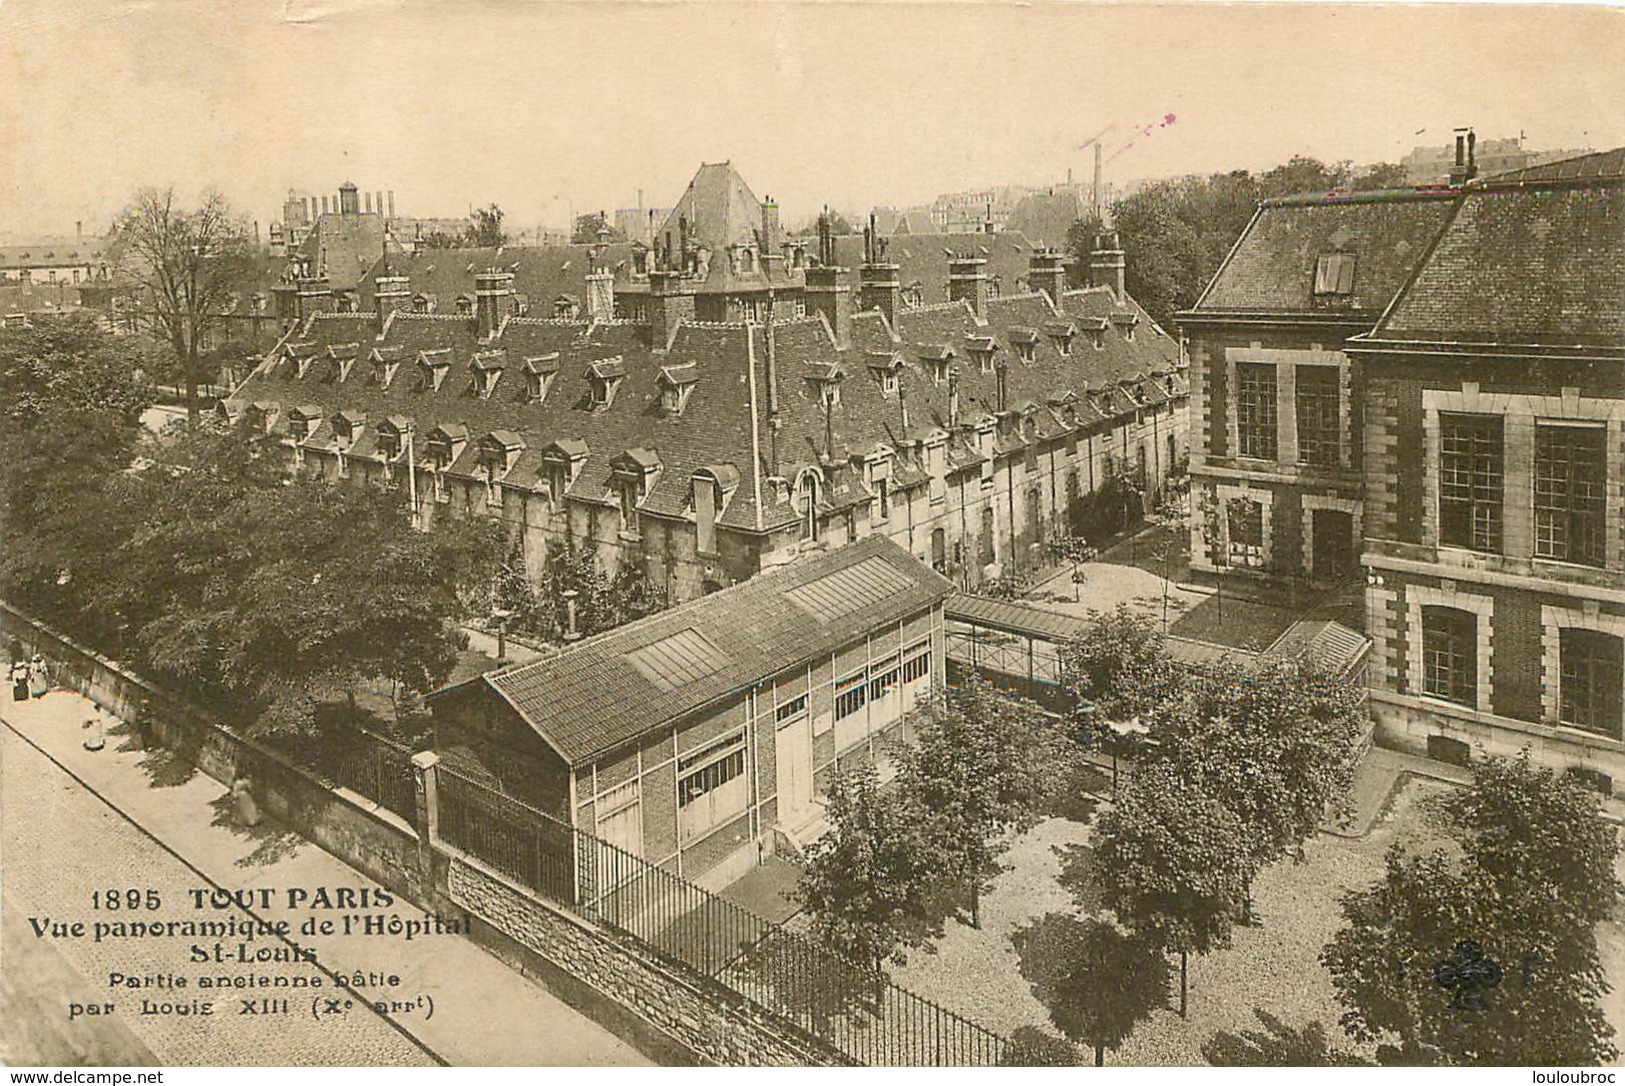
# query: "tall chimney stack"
1106,265
392,203
967,280
1099,196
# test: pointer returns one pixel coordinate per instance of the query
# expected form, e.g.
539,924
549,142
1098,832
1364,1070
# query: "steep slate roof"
345,246
1271,270
1046,216
720,209
1535,256
608,690
540,273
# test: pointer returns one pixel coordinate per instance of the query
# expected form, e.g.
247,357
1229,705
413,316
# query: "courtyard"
1273,963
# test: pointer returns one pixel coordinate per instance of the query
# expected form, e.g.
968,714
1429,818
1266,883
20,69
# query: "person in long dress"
39,676
247,811
19,680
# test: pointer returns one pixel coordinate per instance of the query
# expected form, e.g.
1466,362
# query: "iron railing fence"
859,1012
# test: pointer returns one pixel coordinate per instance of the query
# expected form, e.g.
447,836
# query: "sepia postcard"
597,534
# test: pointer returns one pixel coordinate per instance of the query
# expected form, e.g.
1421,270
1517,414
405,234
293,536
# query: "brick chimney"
1106,265
493,301
389,293
1466,167
967,280
600,280
879,286
315,296
349,199
671,302
1046,271
827,292
771,241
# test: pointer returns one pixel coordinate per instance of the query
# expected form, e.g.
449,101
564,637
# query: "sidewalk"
484,1014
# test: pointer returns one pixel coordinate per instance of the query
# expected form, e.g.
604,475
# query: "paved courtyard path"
72,821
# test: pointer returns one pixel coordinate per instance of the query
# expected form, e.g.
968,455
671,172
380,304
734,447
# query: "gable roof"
618,686
1535,256
1272,268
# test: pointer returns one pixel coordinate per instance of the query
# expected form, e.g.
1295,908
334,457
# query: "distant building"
47,261
639,223
705,735
1431,165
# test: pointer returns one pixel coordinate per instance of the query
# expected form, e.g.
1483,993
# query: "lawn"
1273,964
1236,623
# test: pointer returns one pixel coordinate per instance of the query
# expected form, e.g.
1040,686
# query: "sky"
549,108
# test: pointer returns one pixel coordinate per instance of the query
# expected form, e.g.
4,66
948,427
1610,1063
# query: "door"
1334,544
794,751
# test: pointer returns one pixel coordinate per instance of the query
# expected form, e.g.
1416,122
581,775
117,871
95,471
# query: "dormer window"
676,385
445,442
1060,334
423,303
566,307
262,414
486,369
604,379
885,366
385,361
561,463
826,383
981,349
1025,341
633,473
880,483
936,361
432,368
344,358
465,305
303,420
347,427
498,452
391,439
1334,275
1126,322
539,373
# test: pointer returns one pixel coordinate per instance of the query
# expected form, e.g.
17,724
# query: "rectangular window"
1593,679
850,694
1450,655
794,707
1571,485
1470,481
1255,409
1246,532
711,785
1318,415
917,667
885,674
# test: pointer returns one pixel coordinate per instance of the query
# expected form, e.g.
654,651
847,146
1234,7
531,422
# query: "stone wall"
714,1025
363,834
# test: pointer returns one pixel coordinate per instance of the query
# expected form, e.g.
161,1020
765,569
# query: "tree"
1030,1046
1117,668
485,228
69,426
1275,743
187,262
1383,175
1168,866
1487,955
585,231
869,882
1096,982
1277,1045
985,764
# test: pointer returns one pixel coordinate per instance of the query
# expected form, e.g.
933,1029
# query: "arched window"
807,503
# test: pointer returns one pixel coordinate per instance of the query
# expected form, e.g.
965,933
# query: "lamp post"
1125,733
